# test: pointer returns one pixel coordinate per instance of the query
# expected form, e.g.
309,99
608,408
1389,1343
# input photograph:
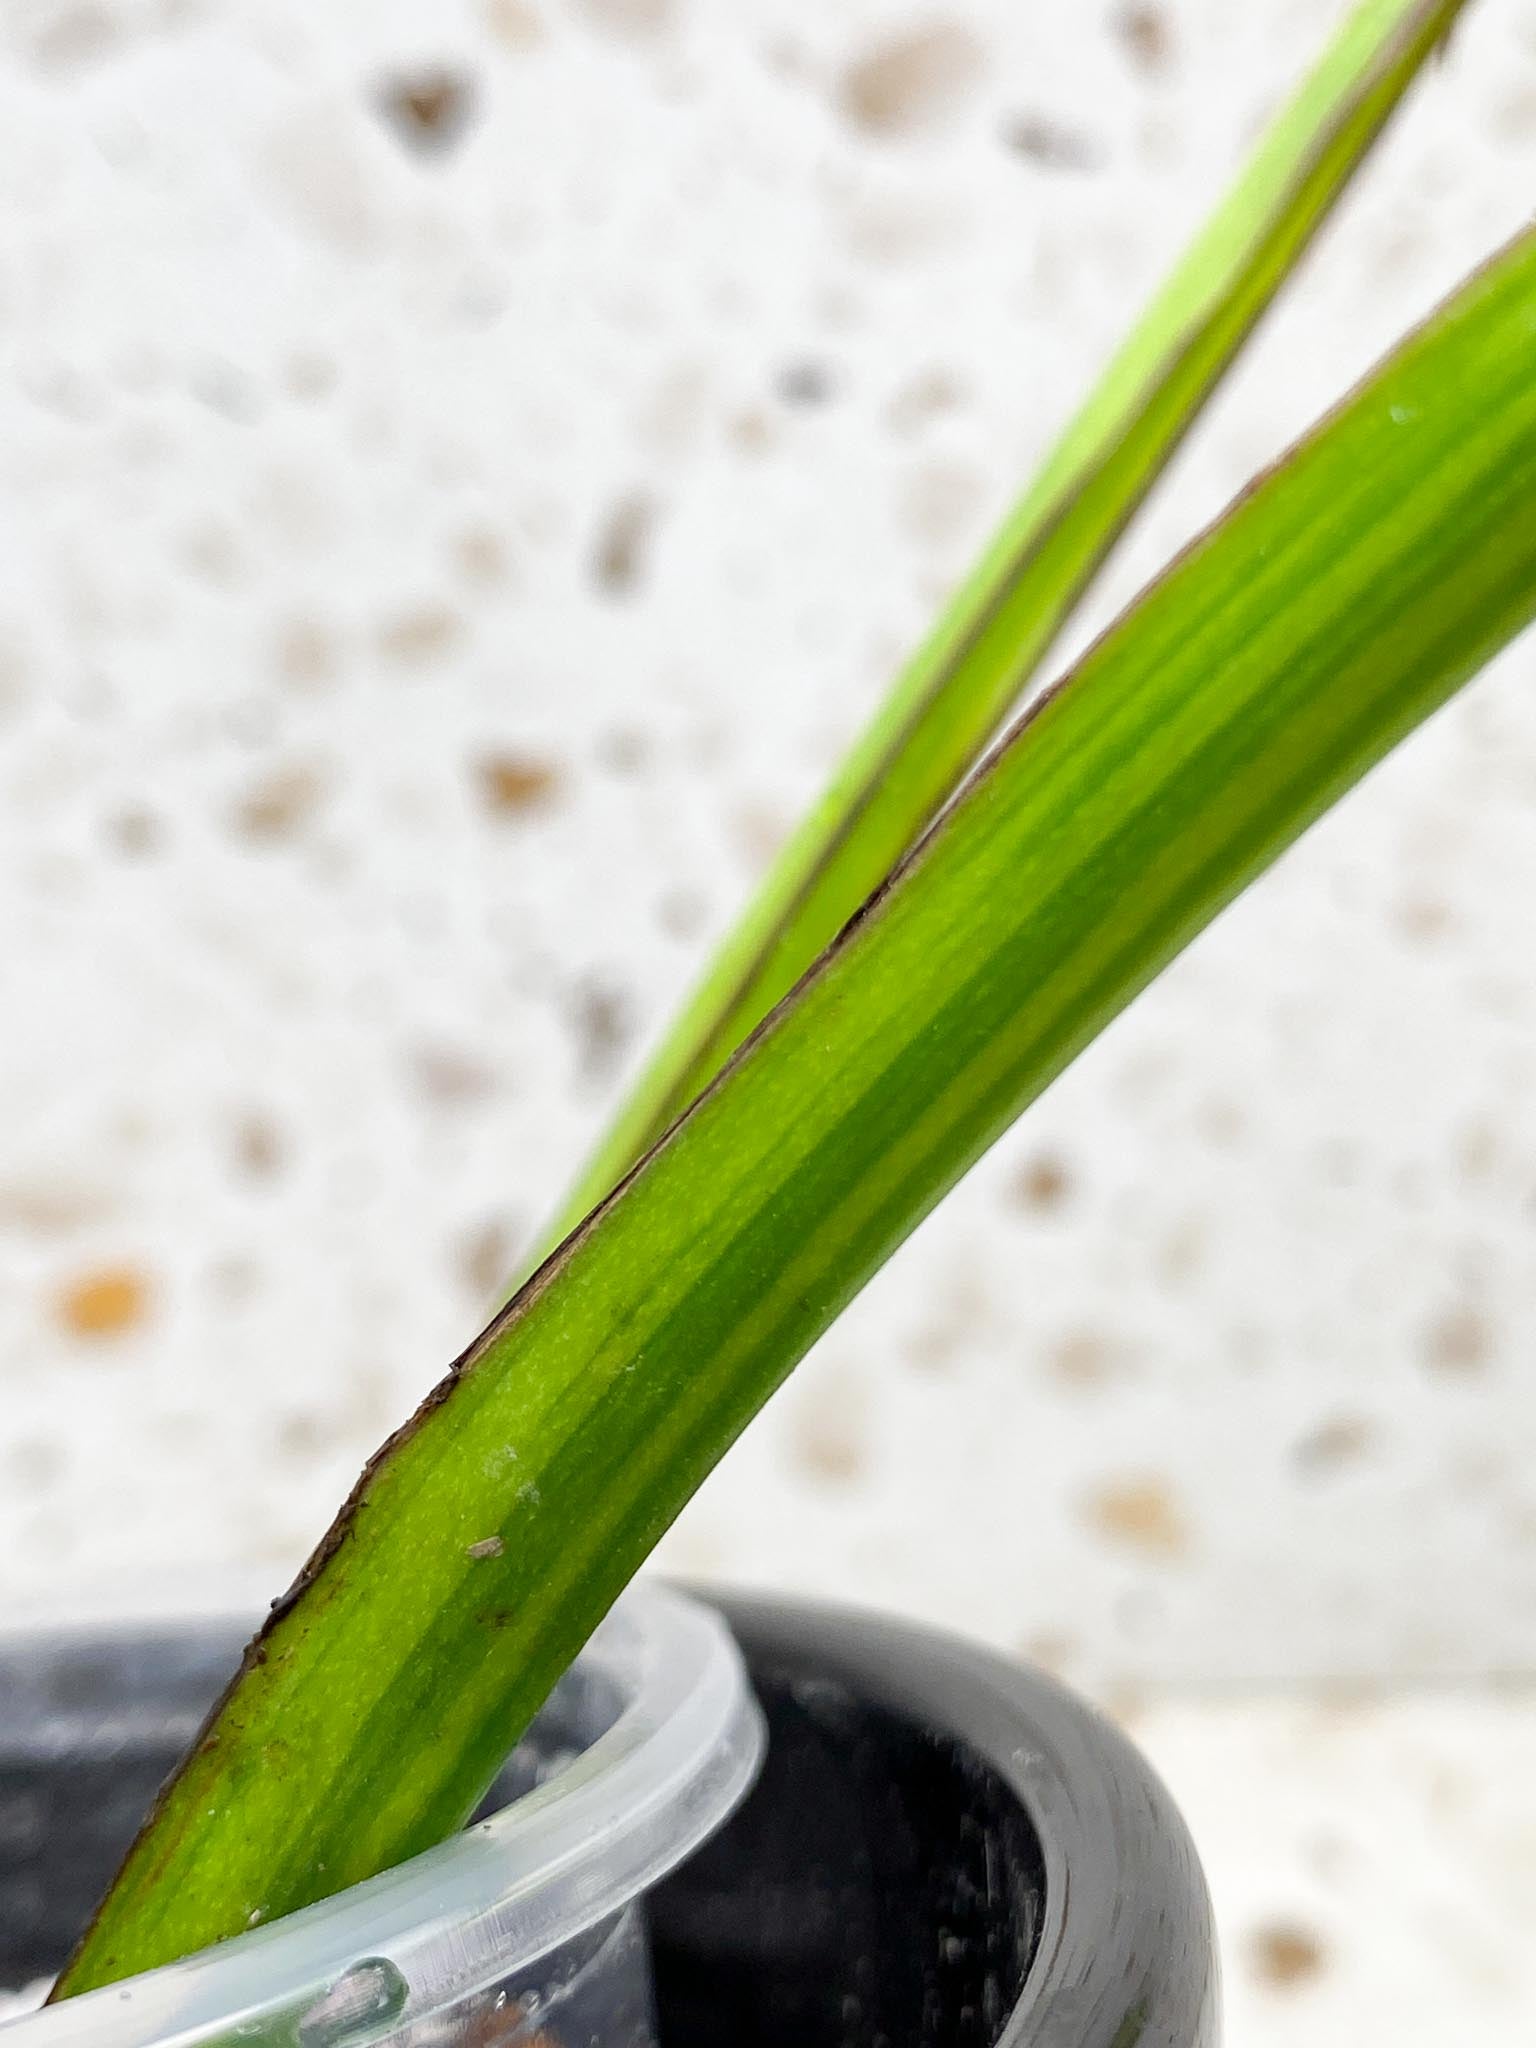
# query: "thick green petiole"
1333,607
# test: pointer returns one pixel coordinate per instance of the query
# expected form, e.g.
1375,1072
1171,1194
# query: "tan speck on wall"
1140,1513
913,80
106,1302
1284,1954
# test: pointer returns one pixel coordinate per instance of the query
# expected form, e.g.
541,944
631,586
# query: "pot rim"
443,1926
1126,1948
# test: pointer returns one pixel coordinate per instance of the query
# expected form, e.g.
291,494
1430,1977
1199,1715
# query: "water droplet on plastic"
363,1999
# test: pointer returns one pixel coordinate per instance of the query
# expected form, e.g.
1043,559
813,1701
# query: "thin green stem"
992,637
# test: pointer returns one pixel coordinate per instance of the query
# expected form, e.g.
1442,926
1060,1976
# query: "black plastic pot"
943,1850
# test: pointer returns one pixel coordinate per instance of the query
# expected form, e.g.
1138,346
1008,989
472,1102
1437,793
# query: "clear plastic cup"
527,1930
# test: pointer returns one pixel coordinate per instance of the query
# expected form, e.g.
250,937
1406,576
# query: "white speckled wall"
465,469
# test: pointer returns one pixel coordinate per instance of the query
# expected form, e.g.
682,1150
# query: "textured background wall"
465,471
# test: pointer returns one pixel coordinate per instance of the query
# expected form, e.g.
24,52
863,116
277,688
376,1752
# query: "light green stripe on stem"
1333,608
990,640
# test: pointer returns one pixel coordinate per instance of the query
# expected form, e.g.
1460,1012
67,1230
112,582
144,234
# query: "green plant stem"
1334,606
991,638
